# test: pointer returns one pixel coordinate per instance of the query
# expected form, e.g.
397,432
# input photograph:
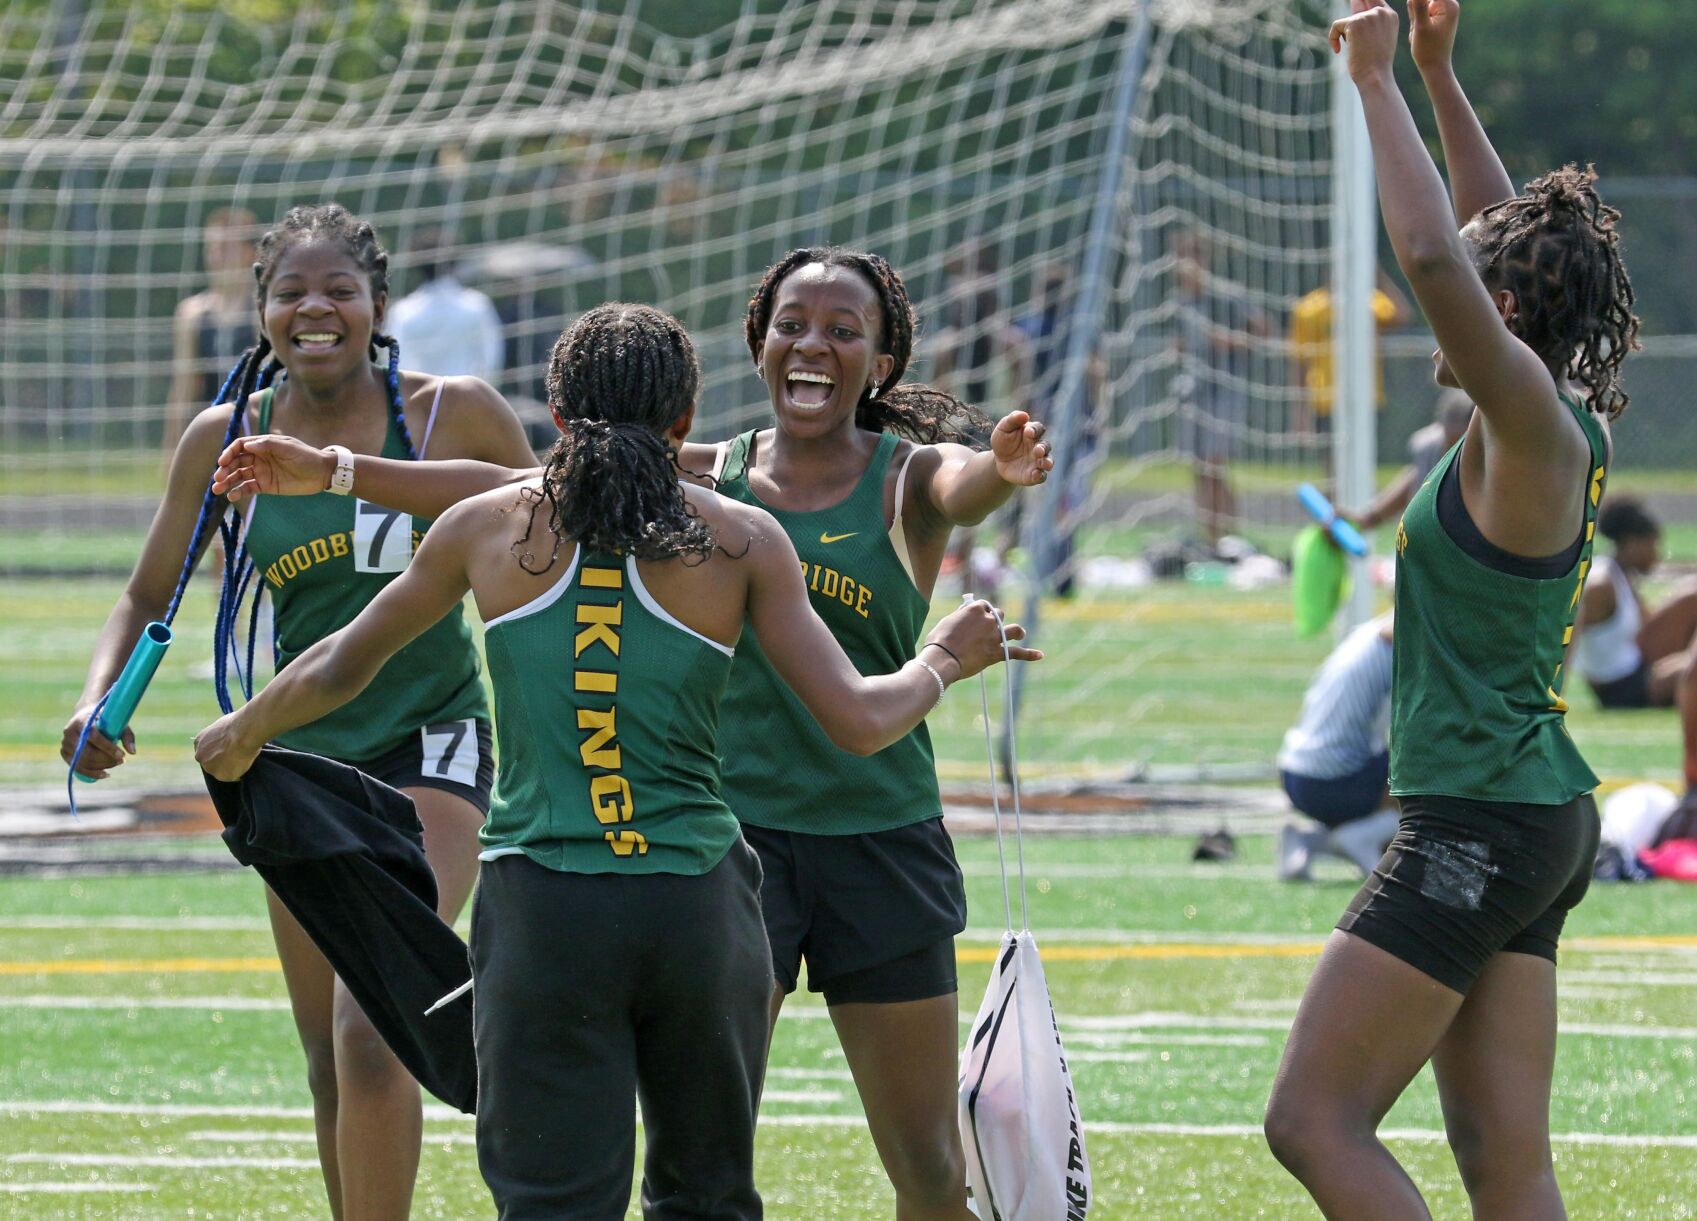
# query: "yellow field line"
1100,953
138,966
1160,950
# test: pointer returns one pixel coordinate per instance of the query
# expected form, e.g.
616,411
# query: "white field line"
232,1003
1140,936
1233,1131
810,1074
162,1162
305,1136
70,1189
144,924
1627,978
1109,1057
1105,1038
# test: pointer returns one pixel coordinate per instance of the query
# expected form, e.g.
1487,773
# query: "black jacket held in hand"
345,854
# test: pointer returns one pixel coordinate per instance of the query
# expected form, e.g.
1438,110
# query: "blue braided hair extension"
237,375
393,380
238,564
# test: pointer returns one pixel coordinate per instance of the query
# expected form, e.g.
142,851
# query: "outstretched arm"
341,665
282,466
1505,378
1477,177
862,714
965,487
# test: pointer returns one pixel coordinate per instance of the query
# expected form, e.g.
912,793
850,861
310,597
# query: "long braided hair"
619,378
258,369
1557,249
920,413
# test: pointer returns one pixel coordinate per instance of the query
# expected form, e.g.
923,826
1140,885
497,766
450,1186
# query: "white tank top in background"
1608,651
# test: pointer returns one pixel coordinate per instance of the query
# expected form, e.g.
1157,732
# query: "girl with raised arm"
1447,953
617,943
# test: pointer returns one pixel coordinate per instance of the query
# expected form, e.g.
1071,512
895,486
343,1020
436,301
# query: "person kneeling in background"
1335,761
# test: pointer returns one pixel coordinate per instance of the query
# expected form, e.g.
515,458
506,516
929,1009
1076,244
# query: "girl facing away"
1447,953
618,949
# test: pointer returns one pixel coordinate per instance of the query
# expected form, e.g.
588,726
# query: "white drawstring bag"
1019,1123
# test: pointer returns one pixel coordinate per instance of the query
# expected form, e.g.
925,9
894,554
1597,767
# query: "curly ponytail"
1557,249
617,380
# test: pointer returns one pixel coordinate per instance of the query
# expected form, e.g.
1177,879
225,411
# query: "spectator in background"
215,326
1311,346
444,327
1037,342
1215,333
1631,655
1335,762
1425,448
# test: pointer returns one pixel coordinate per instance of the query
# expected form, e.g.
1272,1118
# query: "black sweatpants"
598,991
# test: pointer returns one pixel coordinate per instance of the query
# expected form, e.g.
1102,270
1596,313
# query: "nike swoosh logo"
837,538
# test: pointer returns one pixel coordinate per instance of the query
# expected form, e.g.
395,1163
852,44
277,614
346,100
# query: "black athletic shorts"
1464,880
455,756
1629,691
874,915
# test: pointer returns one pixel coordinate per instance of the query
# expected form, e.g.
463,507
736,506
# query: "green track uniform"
616,939
322,559
860,877
781,771
1498,831
1477,709
607,715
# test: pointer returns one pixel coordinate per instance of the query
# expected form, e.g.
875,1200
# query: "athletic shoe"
1363,841
1295,851
1215,846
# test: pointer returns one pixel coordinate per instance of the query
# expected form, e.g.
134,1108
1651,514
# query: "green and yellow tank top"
780,770
607,724
321,560
1476,706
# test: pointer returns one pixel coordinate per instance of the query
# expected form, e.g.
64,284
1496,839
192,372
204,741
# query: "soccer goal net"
1133,194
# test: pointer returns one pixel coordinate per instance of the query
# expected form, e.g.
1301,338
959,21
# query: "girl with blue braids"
423,724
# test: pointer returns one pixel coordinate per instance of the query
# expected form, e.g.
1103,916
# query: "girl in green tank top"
865,478
322,283
615,597
1448,951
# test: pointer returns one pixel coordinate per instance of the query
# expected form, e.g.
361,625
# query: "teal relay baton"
1341,529
132,683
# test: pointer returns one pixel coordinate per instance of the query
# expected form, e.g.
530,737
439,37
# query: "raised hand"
1431,32
1369,34
972,636
272,464
1022,457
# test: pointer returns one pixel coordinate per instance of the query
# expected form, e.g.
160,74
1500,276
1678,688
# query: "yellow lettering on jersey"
610,794
274,574
287,566
604,681
599,749
626,842
601,621
1401,537
603,578
838,587
320,550
339,544
302,556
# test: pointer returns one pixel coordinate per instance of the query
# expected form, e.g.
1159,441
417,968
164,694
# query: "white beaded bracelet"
941,686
